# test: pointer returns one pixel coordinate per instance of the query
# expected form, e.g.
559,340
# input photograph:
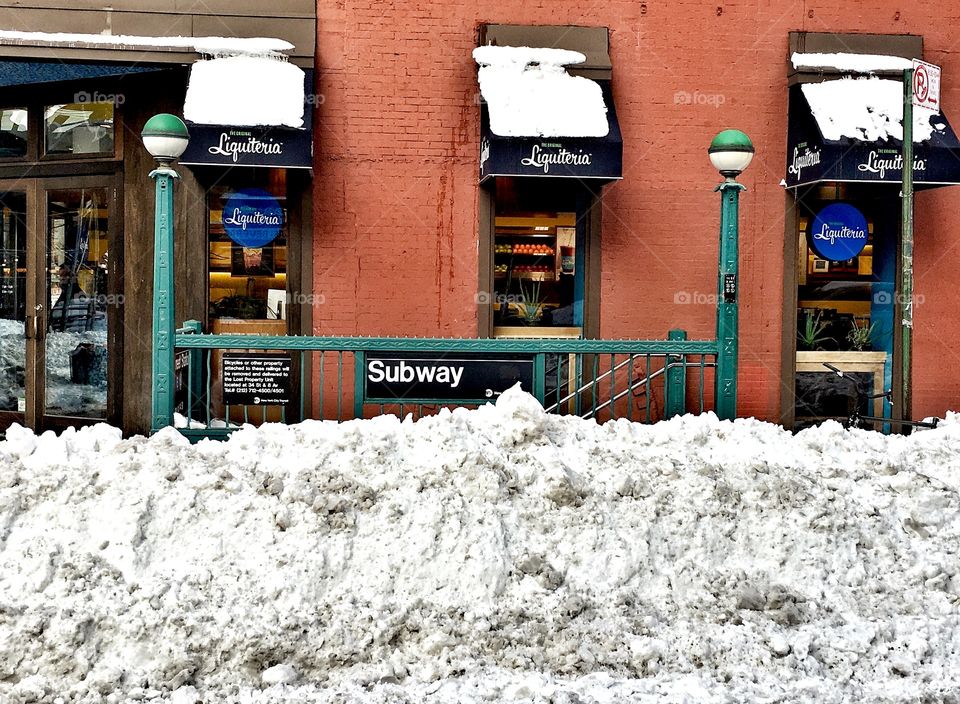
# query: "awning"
572,157
277,146
20,73
812,157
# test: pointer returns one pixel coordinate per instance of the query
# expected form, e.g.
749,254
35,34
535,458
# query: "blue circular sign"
839,232
252,218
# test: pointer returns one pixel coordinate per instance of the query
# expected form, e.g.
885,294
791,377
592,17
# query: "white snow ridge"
496,555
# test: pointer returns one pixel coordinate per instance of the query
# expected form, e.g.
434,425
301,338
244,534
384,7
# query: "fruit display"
528,249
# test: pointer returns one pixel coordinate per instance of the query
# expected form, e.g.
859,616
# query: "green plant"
860,336
531,307
811,336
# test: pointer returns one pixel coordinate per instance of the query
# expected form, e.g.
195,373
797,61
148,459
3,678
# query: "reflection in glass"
79,128
13,133
13,290
77,300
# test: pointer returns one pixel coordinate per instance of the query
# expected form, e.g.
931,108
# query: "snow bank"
245,91
530,94
493,555
855,63
867,109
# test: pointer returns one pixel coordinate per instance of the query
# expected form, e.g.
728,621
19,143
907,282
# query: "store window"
845,300
79,128
537,275
13,133
248,231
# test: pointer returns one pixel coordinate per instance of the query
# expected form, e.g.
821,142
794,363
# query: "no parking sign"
926,85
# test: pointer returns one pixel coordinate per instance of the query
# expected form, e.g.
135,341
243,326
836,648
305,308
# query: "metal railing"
643,380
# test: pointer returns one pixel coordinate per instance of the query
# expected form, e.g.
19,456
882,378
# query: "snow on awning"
866,109
214,46
851,130
538,120
245,91
853,63
530,94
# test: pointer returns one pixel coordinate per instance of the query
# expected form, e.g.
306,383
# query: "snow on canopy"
245,91
867,109
202,45
530,94
857,63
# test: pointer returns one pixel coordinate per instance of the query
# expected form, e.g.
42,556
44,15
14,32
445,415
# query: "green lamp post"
731,151
165,136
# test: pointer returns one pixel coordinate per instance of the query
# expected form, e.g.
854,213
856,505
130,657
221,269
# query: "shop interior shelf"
527,275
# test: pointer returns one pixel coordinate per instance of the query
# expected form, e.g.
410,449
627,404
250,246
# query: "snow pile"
493,555
214,46
854,63
867,109
530,94
245,91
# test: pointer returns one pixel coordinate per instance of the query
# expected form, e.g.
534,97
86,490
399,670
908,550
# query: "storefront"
844,168
76,201
549,142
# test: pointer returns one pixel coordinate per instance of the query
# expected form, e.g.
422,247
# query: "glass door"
56,301
76,300
13,304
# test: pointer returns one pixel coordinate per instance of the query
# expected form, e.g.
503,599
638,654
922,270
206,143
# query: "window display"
247,241
535,257
845,300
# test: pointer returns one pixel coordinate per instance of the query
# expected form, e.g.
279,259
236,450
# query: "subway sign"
413,377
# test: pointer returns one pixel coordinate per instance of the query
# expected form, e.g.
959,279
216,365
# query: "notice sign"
392,377
926,85
181,381
256,379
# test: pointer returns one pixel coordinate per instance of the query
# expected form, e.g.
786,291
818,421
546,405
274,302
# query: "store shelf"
527,275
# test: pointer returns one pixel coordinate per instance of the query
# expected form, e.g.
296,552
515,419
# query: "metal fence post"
164,329
727,296
676,385
195,376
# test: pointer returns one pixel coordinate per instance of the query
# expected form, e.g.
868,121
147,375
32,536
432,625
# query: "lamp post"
165,136
731,151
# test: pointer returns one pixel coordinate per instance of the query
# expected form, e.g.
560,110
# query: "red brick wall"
397,150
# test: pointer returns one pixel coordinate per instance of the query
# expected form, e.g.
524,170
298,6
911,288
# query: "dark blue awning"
19,73
812,159
558,157
277,147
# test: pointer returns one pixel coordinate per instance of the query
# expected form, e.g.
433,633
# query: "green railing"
643,380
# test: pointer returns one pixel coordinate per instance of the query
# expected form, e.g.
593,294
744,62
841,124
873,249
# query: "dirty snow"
495,555
868,109
245,91
530,94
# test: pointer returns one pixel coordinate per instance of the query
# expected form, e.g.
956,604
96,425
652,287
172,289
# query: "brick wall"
397,150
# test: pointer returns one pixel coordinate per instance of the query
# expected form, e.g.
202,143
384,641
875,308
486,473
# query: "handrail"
445,344
645,381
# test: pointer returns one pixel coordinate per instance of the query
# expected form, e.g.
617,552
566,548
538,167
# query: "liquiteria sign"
395,377
811,158
249,146
576,157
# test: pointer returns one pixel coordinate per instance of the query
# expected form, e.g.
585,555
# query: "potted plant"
860,336
811,336
531,307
